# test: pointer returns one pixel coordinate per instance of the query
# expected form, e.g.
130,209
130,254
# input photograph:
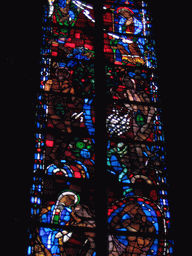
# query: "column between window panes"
100,132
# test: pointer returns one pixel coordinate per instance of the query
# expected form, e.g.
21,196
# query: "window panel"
140,214
138,122
69,13
128,34
71,204
74,77
64,193
73,44
126,50
132,84
69,157
129,162
65,114
66,217
54,241
69,77
133,244
58,154
115,16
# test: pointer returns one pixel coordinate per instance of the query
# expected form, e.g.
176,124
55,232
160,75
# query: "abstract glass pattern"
63,198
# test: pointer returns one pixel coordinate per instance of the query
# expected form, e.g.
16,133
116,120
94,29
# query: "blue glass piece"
29,251
164,201
50,169
156,226
123,240
71,63
168,214
87,116
126,217
144,75
147,213
85,153
63,161
44,218
111,172
121,229
110,218
68,170
115,163
149,219
126,187
131,74
108,144
145,154
154,247
153,213
125,179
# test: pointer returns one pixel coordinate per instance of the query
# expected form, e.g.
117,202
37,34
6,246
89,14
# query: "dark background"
21,41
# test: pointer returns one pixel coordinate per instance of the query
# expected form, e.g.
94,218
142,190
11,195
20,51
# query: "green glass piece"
80,145
140,120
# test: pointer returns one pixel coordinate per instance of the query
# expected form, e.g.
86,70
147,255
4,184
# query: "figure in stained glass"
61,12
134,214
125,27
63,114
72,42
126,159
132,86
61,82
128,49
66,211
119,79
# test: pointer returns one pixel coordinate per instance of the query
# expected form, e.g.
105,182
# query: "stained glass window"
68,168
